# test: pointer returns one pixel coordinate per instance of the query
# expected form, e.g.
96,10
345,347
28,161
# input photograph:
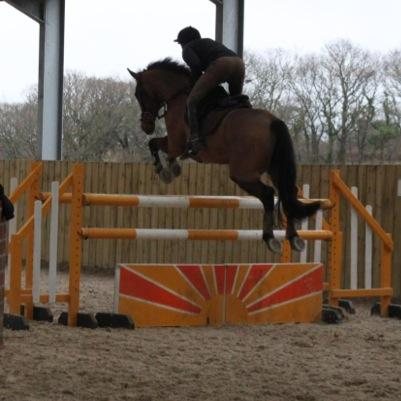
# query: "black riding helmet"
187,35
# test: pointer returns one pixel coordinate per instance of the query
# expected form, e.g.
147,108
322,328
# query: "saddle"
216,105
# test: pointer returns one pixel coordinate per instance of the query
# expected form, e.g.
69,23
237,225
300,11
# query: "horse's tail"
284,174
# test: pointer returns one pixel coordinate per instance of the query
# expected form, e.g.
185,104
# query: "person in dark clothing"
211,64
7,208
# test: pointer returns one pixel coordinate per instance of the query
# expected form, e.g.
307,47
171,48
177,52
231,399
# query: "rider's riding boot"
195,143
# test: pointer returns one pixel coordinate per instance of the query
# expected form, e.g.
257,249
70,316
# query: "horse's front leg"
174,166
166,174
154,147
176,147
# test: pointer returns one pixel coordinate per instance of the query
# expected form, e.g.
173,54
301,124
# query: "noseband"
150,116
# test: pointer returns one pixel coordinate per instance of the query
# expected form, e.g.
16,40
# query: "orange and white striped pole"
174,201
198,234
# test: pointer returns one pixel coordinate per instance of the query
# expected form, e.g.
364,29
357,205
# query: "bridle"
148,116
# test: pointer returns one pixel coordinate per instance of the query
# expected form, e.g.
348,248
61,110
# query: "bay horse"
251,141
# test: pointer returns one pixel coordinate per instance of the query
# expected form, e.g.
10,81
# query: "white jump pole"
368,252
305,223
318,243
354,244
116,289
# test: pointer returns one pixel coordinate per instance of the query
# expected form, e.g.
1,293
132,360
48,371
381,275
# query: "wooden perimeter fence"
377,186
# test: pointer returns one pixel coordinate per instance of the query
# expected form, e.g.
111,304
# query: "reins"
149,116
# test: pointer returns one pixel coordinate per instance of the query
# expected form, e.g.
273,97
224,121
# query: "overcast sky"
103,37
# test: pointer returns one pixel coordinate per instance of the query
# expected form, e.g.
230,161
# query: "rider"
218,65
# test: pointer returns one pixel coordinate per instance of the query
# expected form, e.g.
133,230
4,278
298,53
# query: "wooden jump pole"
335,247
77,183
176,201
32,195
198,234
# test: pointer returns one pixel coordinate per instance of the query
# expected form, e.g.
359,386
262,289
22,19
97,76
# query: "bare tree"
392,83
268,79
304,84
350,78
18,129
100,119
101,122
268,86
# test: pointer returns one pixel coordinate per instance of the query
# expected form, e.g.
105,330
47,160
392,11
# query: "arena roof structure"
50,14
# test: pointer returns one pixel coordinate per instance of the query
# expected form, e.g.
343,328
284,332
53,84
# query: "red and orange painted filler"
198,295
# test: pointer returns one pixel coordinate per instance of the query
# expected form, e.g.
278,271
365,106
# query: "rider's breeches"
224,69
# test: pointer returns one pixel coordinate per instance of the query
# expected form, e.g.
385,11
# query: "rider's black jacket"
199,53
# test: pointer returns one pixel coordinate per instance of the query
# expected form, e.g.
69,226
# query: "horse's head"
160,83
147,102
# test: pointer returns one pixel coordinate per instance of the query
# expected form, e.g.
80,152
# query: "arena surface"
356,360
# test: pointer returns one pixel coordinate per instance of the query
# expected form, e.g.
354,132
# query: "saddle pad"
215,107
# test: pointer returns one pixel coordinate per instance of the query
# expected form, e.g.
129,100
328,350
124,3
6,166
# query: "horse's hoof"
297,244
158,169
166,176
175,169
274,245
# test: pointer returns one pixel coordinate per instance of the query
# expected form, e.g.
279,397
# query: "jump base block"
201,295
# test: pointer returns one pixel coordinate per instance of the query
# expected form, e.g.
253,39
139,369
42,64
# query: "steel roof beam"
51,71
33,9
230,23
50,14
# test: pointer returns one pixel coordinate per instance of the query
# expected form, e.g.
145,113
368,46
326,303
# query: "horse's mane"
169,65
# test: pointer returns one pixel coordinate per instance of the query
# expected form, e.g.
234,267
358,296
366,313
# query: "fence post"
286,253
14,297
335,250
75,242
53,243
368,251
385,277
32,196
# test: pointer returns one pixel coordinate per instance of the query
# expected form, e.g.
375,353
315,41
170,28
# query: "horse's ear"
134,74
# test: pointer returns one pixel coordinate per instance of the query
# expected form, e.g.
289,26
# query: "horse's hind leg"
297,243
266,195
